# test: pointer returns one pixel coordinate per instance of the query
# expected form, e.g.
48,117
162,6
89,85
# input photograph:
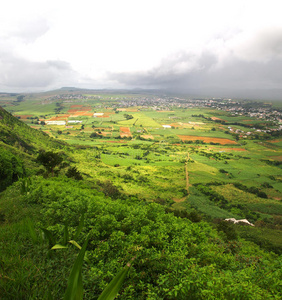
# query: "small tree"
49,160
72,172
94,135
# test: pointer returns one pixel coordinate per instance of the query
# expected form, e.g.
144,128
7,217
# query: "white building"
74,121
98,114
55,122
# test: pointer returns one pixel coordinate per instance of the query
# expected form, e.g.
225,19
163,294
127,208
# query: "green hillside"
15,133
20,145
133,205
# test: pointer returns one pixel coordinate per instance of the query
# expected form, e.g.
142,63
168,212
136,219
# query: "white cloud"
158,39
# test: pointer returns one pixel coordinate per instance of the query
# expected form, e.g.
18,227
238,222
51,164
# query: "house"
55,122
98,115
166,126
74,121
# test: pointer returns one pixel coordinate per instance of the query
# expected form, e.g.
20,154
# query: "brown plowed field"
215,118
206,139
124,129
125,132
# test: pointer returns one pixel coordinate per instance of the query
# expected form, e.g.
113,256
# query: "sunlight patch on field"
147,136
197,166
144,121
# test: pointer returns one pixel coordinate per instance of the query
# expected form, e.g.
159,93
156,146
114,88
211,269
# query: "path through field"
186,173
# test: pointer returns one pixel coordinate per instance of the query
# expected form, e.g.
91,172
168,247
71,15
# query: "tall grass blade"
49,236
80,227
24,186
58,246
75,244
115,285
74,289
32,231
79,247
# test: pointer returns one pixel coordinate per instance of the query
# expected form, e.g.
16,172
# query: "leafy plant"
74,289
25,186
72,172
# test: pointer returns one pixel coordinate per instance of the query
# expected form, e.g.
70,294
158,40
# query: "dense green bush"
72,172
173,257
11,168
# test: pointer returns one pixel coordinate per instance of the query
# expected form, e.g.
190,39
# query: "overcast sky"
164,44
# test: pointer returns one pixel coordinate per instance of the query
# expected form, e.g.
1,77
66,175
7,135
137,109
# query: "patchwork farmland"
140,143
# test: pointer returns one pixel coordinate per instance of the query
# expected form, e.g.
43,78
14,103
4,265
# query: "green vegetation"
132,193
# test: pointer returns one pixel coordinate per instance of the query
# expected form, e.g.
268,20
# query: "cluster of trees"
252,189
128,117
275,163
223,203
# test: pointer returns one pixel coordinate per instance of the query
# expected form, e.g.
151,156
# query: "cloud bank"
172,45
242,62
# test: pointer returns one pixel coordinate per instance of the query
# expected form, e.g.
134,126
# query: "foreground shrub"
173,257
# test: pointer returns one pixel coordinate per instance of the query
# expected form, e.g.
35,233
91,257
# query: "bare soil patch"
122,135
124,129
175,124
221,141
147,136
125,132
215,118
104,116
